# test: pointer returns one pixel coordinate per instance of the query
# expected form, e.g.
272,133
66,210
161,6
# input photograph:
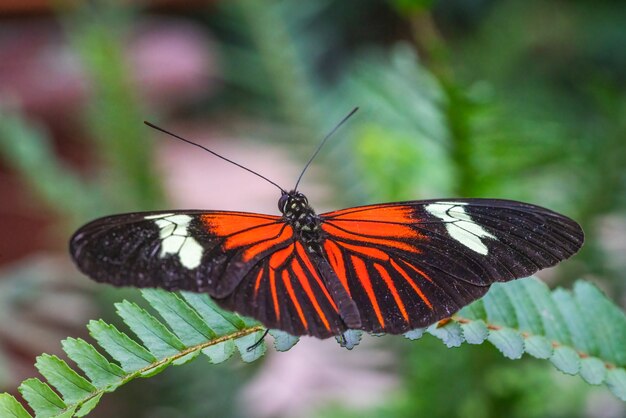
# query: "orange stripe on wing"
309,266
266,244
392,288
304,282
294,300
224,224
414,285
335,258
278,258
257,283
396,213
252,236
257,232
336,232
364,277
377,227
274,293
367,251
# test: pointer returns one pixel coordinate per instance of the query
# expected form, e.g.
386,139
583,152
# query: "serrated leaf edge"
525,335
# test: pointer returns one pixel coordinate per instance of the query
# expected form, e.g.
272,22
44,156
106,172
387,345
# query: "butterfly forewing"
178,250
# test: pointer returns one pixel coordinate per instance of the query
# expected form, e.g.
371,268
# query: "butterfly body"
381,268
305,223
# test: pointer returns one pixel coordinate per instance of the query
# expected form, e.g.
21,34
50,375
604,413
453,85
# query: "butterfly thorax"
302,218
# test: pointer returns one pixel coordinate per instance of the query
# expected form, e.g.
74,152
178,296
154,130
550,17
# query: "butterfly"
383,268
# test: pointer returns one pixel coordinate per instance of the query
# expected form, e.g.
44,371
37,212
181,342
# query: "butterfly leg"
258,342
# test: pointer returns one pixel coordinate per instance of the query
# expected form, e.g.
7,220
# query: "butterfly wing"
249,263
408,265
383,268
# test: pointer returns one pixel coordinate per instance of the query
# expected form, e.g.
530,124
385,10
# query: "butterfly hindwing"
286,290
410,264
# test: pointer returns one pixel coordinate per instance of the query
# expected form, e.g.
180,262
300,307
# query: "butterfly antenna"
319,148
214,153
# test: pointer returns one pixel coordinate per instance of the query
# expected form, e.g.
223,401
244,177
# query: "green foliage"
189,332
97,32
504,111
518,317
26,147
579,331
409,7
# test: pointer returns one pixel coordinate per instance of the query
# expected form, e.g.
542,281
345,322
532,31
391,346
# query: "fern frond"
193,325
579,332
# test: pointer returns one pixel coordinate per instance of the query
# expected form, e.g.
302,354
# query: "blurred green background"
512,99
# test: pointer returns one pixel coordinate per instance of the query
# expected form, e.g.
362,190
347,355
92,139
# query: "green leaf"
154,335
127,352
70,384
475,332
415,334
183,320
222,322
88,406
221,352
282,340
186,358
11,408
566,359
499,307
553,323
592,370
525,310
508,341
616,381
609,322
474,310
350,339
95,365
538,346
155,369
244,343
41,398
451,333
580,330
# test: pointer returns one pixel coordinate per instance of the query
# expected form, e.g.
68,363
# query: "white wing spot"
160,215
175,239
460,225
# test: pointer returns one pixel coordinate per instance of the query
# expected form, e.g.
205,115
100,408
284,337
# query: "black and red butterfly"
385,268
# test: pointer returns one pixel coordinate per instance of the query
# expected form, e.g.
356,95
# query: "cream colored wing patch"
460,225
175,239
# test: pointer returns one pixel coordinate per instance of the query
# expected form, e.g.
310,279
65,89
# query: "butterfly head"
292,201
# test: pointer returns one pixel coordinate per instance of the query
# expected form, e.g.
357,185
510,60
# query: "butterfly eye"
282,202
301,198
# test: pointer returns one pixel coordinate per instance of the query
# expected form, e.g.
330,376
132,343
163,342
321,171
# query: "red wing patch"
374,252
287,292
386,226
254,233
